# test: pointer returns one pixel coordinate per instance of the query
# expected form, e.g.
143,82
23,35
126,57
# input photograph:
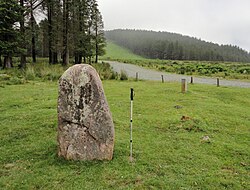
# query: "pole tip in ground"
131,159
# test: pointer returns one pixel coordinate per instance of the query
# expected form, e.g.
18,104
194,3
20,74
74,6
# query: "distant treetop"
166,45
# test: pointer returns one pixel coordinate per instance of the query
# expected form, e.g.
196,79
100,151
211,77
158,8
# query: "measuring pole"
131,122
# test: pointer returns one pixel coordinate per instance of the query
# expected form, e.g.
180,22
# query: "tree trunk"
55,57
44,47
80,58
65,32
1,63
23,61
96,55
89,48
33,49
65,57
33,41
76,58
96,44
22,30
96,51
50,32
50,57
7,62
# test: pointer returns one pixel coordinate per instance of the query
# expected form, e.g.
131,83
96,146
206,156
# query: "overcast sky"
219,21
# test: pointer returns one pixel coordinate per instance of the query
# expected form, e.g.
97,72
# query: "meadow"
196,140
208,149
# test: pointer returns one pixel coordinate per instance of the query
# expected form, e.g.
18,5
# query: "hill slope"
115,51
165,45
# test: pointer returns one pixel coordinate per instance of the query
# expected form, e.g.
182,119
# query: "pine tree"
99,36
22,34
42,40
65,53
79,31
77,21
9,16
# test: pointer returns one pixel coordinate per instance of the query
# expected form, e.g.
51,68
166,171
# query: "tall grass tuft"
105,71
124,75
50,72
29,73
42,71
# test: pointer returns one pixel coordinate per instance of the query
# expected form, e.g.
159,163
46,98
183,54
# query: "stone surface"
85,125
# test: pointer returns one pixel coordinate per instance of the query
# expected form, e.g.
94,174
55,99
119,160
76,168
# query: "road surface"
148,74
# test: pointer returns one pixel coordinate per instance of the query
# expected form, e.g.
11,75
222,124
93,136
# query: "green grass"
114,52
169,153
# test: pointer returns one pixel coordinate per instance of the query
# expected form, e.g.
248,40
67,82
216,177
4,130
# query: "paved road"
147,74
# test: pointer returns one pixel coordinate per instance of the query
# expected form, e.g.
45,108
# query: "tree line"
165,45
67,28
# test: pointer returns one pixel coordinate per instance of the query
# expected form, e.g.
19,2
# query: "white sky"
219,21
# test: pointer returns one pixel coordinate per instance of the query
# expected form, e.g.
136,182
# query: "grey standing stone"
85,125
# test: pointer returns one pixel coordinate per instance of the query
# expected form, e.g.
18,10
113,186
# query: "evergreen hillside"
165,45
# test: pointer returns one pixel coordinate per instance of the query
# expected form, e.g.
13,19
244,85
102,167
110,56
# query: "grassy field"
208,149
114,52
228,70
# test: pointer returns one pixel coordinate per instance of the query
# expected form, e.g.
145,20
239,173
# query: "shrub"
4,77
244,70
10,80
162,68
15,80
181,70
124,75
105,71
114,75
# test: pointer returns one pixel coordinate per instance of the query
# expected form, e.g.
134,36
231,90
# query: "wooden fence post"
183,85
192,80
218,82
136,76
162,79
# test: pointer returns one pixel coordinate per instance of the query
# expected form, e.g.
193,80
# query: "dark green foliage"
9,39
244,70
98,37
72,29
165,45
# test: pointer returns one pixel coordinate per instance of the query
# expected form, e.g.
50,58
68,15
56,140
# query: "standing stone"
85,126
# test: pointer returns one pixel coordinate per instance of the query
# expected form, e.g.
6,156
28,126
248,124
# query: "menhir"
85,125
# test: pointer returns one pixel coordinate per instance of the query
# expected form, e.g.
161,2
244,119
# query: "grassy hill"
114,51
208,149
